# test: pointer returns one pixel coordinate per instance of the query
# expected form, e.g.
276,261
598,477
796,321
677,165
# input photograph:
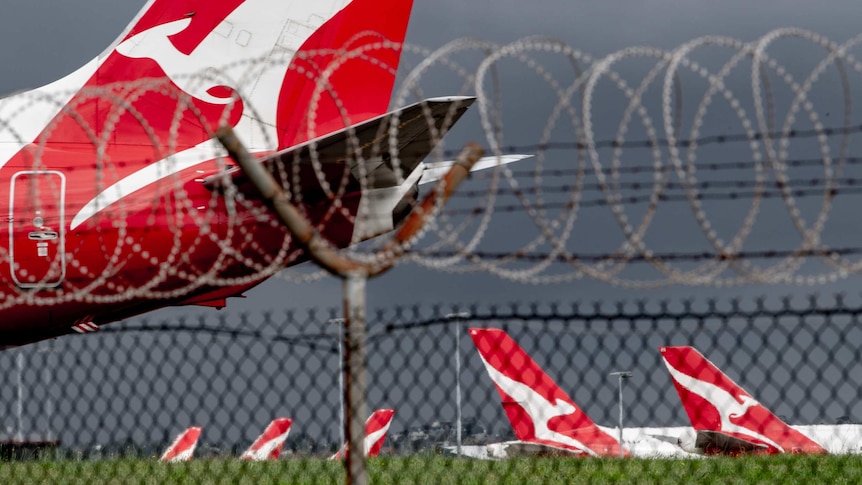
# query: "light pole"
621,375
457,317
20,408
340,323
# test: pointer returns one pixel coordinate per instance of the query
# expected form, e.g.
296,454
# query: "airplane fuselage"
172,243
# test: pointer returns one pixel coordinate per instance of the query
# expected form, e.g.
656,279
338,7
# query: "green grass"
429,469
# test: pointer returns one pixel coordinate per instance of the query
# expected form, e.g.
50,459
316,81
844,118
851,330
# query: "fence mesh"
108,404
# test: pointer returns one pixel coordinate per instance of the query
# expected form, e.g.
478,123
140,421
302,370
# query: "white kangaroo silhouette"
259,60
727,405
540,409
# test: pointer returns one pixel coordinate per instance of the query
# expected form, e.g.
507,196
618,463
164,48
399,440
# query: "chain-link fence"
104,407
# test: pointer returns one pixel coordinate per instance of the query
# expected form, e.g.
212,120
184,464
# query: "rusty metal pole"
354,275
355,377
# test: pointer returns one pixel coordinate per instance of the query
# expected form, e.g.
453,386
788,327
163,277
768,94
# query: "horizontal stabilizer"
713,442
383,151
436,170
513,449
674,440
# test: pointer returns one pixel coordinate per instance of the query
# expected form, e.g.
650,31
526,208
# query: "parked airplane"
376,427
268,445
183,447
543,416
119,202
725,418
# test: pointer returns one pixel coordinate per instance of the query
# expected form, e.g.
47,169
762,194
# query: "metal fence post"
353,273
355,376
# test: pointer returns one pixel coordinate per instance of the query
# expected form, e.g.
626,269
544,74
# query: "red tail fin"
306,68
376,427
279,72
268,445
540,412
183,447
344,73
715,403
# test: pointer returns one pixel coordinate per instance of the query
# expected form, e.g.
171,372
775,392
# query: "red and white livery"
268,445
183,447
118,200
725,418
376,427
543,416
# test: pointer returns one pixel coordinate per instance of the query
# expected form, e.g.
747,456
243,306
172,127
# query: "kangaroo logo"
726,404
155,44
540,410
225,58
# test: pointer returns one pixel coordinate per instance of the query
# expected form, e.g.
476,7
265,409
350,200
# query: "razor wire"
664,96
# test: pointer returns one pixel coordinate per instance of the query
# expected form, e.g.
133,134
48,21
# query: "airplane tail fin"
183,447
376,427
537,408
718,405
279,72
268,445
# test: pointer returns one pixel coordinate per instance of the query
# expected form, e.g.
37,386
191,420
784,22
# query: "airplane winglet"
436,170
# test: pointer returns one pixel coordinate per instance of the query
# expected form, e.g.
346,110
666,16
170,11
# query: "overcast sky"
44,39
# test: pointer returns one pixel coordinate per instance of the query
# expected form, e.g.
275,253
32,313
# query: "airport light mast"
621,375
340,323
457,318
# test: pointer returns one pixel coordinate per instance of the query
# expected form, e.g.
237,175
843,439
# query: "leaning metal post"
353,273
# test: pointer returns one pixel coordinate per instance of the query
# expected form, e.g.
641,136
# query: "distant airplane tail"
540,412
376,427
726,418
268,445
183,447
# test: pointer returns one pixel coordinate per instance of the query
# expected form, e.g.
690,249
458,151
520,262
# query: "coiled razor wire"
573,144
730,265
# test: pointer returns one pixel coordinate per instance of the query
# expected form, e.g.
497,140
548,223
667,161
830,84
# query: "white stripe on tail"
183,447
268,445
716,404
540,412
376,427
